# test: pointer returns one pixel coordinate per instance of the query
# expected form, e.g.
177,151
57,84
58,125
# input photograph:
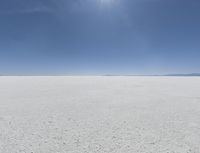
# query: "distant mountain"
190,74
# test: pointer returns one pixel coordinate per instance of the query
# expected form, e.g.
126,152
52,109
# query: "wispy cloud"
26,8
24,11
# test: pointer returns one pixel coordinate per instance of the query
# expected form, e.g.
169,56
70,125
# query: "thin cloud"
39,9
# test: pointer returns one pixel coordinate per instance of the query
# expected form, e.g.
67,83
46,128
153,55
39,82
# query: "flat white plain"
115,114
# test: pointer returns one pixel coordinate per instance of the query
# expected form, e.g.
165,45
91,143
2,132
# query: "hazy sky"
99,36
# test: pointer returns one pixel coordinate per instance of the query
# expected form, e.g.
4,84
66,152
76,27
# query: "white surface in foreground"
99,115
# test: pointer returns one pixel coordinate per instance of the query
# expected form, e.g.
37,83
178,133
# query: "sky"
99,37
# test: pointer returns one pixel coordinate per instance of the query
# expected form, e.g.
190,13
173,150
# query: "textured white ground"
99,115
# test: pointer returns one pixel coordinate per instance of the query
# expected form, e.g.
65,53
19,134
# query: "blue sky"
52,37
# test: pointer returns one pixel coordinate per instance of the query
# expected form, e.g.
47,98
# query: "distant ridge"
190,74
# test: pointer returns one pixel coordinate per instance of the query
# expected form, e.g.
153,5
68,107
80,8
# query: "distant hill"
190,74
